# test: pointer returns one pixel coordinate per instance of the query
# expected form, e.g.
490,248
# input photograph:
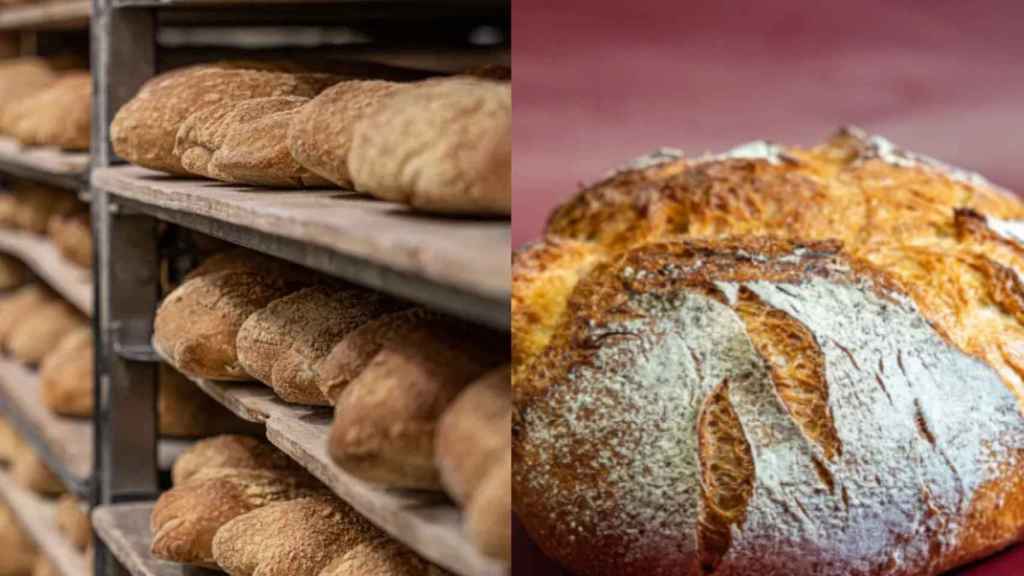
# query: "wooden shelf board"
461,266
124,528
38,517
72,282
65,444
426,522
44,164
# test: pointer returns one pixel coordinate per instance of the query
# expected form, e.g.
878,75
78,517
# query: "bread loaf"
230,452
283,344
50,322
35,204
19,550
197,324
31,473
22,77
489,513
443,146
144,129
186,518
473,433
19,305
246,143
297,537
43,567
413,364
381,557
73,522
66,374
72,235
58,115
12,272
320,134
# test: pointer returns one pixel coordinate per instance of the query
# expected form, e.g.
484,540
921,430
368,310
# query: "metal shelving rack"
455,265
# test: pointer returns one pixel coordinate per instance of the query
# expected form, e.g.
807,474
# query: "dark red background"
600,82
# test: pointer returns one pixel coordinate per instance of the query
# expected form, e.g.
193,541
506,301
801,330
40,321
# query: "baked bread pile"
777,360
397,375
42,209
443,145
43,105
240,505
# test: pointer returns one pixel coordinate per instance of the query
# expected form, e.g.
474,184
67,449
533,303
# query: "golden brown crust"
31,473
58,115
229,452
73,522
320,134
474,432
35,204
22,77
381,557
386,417
66,375
144,129
489,514
297,537
43,567
21,304
19,550
50,323
441,146
72,234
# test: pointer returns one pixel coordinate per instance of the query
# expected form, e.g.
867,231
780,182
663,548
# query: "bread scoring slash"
775,361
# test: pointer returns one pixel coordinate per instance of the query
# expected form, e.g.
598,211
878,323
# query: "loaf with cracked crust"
144,129
73,521
442,146
283,344
381,557
19,549
58,115
410,365
197,324
216,490
300,536
760,405
320,134
49,323
473,433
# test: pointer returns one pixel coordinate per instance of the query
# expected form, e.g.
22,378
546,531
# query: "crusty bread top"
144,129
795,378
381,557
22,77
320,134
229,451
942,232
296,537
443,146
58,115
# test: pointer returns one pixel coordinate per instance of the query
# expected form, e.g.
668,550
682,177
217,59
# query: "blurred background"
599,83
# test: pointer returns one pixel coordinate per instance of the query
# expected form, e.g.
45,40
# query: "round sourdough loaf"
440,146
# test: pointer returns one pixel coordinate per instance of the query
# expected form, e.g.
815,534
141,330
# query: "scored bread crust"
283,344
440,146
760,406
300,536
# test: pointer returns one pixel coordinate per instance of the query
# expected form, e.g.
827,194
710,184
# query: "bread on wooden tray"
72,235
488,514
19,550
144,129
32,473
473,433
320,134
16,306
21,77
442,146
58,115
185,411
381,557
48,324
66,374
229,451
197,324
73,522
707,398
12,272
36,203
186,518
246,143
411,365
283,344
301,536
